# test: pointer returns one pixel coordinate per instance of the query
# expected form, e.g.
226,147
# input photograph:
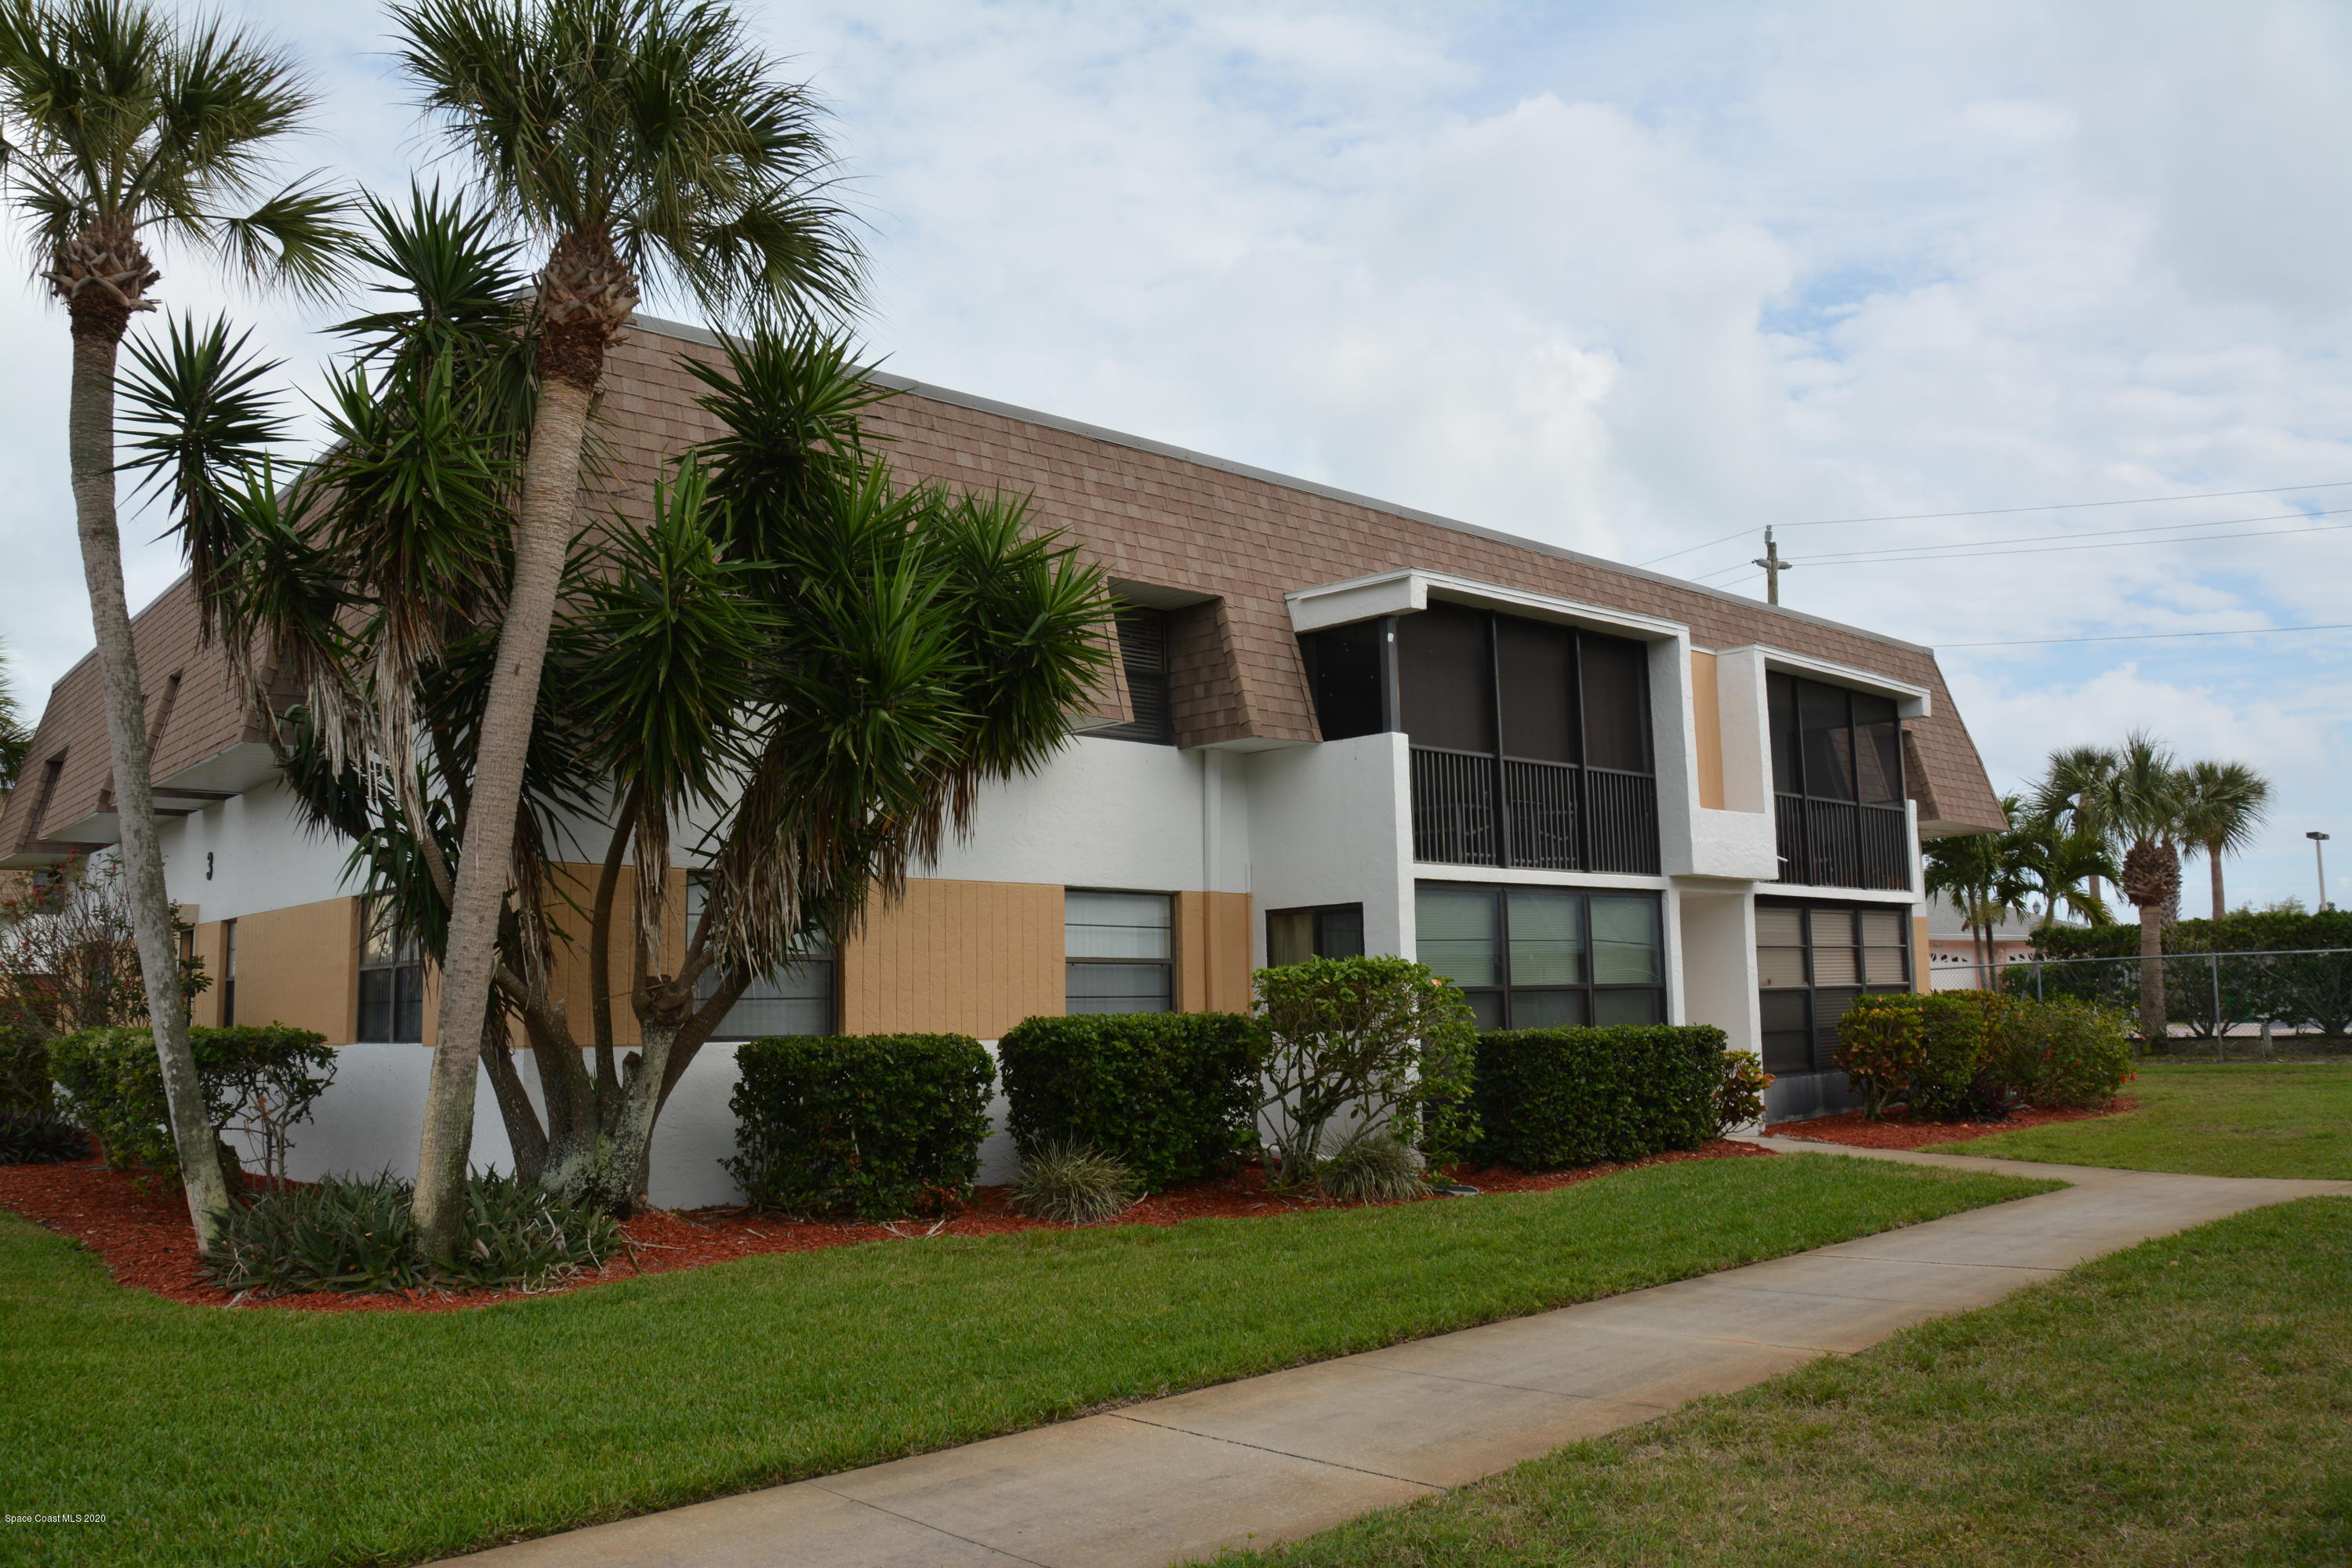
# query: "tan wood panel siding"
212,947
1707,724
568,972
1921,980
968,958
301,965
1213,952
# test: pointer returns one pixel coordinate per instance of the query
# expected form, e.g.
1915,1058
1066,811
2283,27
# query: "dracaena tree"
793,674
642,144
125,132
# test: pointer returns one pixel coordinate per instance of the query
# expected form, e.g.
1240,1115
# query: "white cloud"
1627,279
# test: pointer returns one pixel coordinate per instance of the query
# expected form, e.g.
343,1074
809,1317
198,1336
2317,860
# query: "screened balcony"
1838,791
1530,740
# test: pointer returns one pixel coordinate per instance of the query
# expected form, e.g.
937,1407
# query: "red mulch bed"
1899,1132
142,1233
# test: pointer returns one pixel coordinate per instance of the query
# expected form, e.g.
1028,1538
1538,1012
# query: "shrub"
24,1071
1371,1167
2081,1053
1956,1028
257,1081
353,1235
1549,1097
1073,1183
40,1138
863,1126
1168,1095
1382,1038
1882,1045
1739,1092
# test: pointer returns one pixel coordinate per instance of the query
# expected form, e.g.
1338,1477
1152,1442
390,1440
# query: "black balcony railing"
1551,816
1839,844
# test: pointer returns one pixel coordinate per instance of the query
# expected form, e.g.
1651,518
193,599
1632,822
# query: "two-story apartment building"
1586,792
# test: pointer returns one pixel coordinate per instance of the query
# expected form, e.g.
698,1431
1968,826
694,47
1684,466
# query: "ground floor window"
1813,959
391,980
1120,952
1324,931
800,998
1533,958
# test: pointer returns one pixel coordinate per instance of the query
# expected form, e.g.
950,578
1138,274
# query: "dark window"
391,980
1343,665
1569,786
1837,776
1120,952
1534,958
1811,961
1446,678
1144,659
51,771
800,998
1329,930
228,975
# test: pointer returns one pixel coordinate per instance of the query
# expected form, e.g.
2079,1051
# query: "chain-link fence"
2260,1003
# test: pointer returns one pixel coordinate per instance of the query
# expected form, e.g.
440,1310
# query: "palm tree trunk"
98,328
550,496
2213,855
2151,974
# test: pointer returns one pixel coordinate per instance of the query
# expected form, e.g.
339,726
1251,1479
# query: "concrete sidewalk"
1269,1458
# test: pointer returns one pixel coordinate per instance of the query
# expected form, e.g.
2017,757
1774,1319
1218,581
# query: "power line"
2002,511
1975,544
2056,549
2151,636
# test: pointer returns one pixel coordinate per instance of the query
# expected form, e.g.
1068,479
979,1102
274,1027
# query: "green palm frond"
657,126
114,115
200,418
2224,806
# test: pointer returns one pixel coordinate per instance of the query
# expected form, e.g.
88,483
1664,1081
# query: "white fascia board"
1911,702
1403,592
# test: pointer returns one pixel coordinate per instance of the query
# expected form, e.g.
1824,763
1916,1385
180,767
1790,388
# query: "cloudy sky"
1629,278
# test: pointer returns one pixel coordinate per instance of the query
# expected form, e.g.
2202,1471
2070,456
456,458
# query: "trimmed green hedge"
1549,1097
860,1126
260,1079
1171,1095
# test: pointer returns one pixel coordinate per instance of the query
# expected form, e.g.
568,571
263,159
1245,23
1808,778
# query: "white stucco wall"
262,856
1330,825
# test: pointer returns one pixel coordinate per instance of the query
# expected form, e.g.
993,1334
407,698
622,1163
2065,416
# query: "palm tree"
2073,793
117,128
1978,872
2145,799
14,738
644,142
2062,864
2226,801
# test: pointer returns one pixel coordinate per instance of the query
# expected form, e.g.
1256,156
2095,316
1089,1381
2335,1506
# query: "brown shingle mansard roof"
1222,541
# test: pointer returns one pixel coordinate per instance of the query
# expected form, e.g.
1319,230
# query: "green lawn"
219,1436
2188,1401
2243,1118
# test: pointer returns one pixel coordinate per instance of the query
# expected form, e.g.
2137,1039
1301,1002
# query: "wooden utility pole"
1773,567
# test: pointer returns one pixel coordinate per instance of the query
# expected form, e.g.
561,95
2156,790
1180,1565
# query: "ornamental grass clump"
40,1138
1371,1167
1075,1184
356,1236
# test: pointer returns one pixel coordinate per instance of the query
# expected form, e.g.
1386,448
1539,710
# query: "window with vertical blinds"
1811,961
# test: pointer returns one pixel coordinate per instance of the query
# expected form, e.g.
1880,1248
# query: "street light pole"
2319,855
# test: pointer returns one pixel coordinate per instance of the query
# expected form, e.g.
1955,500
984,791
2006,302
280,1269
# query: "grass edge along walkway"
216,1437
2185,1401
2203,1118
